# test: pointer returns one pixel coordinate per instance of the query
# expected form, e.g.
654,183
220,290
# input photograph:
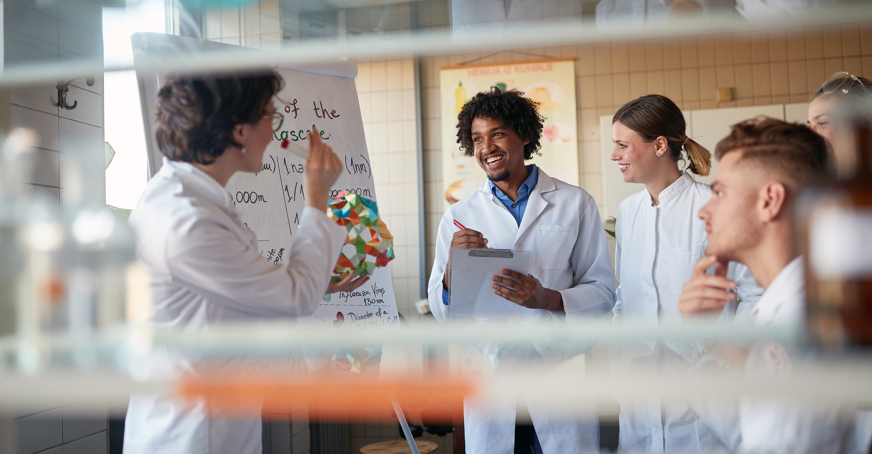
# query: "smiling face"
730,216
637,159
499,149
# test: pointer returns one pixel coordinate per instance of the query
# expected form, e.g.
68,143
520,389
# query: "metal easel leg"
405,425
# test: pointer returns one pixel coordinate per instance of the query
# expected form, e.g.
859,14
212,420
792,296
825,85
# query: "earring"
243,151
658,154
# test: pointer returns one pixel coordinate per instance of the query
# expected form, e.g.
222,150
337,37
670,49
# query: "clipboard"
472,293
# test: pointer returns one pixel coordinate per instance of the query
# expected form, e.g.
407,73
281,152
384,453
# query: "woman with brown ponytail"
659,240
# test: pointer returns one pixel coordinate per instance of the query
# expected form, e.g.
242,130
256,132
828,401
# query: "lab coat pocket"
680,265
554,243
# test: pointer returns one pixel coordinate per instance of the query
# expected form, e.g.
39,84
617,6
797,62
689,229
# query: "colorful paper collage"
369,244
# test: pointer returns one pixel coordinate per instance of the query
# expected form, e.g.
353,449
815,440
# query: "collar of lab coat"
202,183
683,182
536,204
783,302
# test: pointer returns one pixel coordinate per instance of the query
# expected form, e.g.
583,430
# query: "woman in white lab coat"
204,261
659,239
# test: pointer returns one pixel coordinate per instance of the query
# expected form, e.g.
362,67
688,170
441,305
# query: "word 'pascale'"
299,134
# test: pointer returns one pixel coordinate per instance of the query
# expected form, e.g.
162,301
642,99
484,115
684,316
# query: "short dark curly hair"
509,107
196,114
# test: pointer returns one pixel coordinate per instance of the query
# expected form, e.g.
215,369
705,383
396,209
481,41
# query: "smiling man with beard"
523,209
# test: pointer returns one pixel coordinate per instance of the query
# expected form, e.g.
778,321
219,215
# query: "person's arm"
435,288
619,307
593,289
207,256
593,278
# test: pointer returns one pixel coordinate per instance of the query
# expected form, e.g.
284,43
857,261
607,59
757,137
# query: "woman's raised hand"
322,170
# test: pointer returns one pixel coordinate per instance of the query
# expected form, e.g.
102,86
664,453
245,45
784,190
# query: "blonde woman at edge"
659,240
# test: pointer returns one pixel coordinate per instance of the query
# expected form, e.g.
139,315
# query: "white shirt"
206,270
783,425
657,248
562,228
784,300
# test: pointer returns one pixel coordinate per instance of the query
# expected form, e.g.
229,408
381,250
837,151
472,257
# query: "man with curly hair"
521,208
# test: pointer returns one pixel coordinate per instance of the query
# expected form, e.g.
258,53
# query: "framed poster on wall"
551,83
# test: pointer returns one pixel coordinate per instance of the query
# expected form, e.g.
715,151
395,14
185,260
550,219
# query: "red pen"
459,225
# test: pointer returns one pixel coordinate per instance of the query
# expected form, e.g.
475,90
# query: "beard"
499,177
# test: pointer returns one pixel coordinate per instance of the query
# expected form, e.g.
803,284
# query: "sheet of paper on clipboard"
472,293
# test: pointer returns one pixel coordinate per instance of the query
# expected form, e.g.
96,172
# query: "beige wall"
783,66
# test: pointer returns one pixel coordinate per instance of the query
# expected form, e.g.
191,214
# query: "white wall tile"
379,106
42,97
81,41
363,81
20,48
408,102
379,76
47,168
395,105
88,110
379,138
76,138
410,137
45,125
395,137
230,21
394,75
30,21
88,15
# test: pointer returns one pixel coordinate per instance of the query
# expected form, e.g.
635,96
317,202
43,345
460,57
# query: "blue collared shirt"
516,208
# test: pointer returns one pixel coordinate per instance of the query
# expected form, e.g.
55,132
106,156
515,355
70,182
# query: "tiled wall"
256,25
386,90
782,66
56,32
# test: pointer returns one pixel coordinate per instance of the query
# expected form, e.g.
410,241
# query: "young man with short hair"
764,165
523,209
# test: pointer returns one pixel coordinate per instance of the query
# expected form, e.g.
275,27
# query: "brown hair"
794,151
196,114
652,116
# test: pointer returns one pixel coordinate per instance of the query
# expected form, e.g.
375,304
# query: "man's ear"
772,201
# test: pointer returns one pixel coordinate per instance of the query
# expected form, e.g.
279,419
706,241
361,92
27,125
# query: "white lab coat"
782,425
563,229
657,248
206,270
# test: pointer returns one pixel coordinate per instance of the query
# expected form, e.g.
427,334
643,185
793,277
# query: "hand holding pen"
463,238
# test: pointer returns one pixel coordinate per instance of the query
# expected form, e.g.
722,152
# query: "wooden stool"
398,447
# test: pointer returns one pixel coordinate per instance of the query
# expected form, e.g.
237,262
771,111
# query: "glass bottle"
98,254
838,237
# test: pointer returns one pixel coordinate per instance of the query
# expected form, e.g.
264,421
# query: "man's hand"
705,293
463,239
347,283
527,291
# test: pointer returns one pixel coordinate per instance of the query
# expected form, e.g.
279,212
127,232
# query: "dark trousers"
526,441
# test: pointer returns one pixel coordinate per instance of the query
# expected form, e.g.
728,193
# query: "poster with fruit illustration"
551,83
